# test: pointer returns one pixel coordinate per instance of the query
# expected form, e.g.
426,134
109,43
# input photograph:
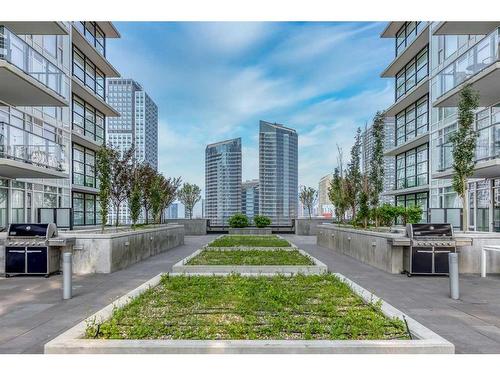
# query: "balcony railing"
21,145
477,58
17,52
487,148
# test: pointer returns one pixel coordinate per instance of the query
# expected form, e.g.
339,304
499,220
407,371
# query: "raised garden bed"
272,257
249,241
235,314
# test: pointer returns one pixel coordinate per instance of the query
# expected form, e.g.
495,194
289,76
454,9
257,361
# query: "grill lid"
430,230
32,230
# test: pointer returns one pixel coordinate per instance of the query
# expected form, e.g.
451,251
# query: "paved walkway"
32,311
471,323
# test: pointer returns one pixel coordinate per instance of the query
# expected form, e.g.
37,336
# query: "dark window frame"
412,66
91,70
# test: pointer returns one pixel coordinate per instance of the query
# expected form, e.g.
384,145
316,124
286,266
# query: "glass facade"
278,173
412,168
93,34
413,121
407,34
84,172
417,199
222,181
85,210
250,198
87,121
86,72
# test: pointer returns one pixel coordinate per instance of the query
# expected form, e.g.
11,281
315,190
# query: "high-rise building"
136,127
250,198
278,173
172,211
325,207
222,181
52,115
433,62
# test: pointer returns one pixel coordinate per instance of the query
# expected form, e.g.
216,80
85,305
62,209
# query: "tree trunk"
465,210
146,213
117,210
309,210
353,208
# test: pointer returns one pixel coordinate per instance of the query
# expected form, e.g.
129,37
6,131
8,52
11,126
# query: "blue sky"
213,81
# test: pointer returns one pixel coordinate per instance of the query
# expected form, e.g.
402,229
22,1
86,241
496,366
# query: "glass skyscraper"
222,181
278,173
250,198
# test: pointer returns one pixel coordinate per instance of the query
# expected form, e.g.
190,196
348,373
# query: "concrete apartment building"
137,126
52,117
250,198
433,61
222,181
278,173
325,207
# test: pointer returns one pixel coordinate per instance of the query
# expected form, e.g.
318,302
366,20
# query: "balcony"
27,155
464,27
487,156
410,97
26,77
419,140
85,93
479,66
36,27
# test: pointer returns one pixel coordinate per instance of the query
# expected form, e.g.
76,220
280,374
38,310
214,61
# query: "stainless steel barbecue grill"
430,245
28,250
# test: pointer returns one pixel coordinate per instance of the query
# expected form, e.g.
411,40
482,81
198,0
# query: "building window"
418,199
85,209
84,173
87,73
407,34
94,35
414,72
413,121
412,168
87,120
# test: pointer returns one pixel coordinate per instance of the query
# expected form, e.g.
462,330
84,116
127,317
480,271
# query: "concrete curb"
71,341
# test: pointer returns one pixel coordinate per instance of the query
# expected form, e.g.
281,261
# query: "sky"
215,80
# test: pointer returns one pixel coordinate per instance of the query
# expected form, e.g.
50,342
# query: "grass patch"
250,241
251,258
237,307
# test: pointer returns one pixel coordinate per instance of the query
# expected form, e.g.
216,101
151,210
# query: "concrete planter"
385,250
309,227
316,269
192,227
250,230
96,252
424,340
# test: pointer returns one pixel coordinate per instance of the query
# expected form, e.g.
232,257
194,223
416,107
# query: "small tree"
376,175
464,146
336,193
135,202
261,221
364,209
308,196
156,197
168,187
353,175
103,165
122,177
147,176
189,195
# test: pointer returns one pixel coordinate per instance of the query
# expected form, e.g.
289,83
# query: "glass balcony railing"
471,62
17,52
21,145
487,147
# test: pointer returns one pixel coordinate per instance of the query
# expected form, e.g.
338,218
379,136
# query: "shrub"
238,221
387,214
261,221
413,214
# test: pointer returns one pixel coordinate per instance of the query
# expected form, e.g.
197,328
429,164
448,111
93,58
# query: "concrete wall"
192,227
309,227
377,249
95,252
369,247
251,230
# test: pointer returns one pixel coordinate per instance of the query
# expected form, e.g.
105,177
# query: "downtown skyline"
258,70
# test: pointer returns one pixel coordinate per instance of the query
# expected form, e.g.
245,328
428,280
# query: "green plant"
464,146
135,202
238,221
189,195
271,257
261,221
121,164
363,214
413,214
104,175
353,177
308,197
249,241
376,174
387,214
156,198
